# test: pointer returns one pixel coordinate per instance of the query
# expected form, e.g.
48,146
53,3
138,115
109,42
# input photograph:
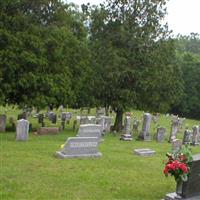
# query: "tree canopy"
118,54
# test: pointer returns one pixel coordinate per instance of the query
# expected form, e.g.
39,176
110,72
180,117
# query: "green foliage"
188,57
133,56
44,53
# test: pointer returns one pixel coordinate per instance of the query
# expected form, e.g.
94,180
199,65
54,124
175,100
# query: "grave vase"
179,185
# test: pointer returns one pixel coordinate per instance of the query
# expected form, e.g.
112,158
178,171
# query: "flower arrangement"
178,164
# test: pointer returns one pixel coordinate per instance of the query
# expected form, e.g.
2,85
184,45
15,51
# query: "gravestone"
107,124
174,129
155,118
101,121
75,125
145,134
160,134
187,136
22,115
2,123
176,145
91,119
190,188
127,130
144,152
84,120
100,112
66,116
54,119
195,136
90,130
80,147
48,131
181,122
22,130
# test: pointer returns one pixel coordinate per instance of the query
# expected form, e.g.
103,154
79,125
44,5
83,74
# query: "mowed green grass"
29,169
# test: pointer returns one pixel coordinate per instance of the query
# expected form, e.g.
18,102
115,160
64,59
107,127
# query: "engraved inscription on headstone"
80,147
90,130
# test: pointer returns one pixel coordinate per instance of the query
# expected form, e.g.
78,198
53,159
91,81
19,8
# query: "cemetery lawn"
29,169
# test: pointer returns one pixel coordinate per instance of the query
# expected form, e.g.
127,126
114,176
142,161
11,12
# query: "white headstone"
22,130
90,130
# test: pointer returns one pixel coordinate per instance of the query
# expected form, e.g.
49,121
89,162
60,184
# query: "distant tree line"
117,54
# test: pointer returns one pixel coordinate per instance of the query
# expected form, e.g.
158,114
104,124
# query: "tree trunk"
118,120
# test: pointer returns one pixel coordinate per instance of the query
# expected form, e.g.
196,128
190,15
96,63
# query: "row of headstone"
84,145
192,137
104,121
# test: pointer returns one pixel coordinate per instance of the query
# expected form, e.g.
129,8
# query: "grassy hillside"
29,170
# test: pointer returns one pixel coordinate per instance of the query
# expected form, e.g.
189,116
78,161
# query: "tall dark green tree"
44,53
133,56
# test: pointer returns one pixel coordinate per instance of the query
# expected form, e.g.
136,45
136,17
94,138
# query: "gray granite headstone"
90,130
100,112
40,118
80,147
195,135
2,123
160,134
91,119
145,133
187,136
174,129
22,130
190,188
176,145
144,152
107,125
127,130
84,120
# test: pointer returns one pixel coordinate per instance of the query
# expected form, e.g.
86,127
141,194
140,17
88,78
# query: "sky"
183,15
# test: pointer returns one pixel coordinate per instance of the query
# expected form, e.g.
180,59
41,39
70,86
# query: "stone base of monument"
173,196
126,137
48,130
80,147
61,155
144,152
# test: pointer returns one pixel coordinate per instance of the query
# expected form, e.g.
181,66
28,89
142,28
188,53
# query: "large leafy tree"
132,56
44,54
